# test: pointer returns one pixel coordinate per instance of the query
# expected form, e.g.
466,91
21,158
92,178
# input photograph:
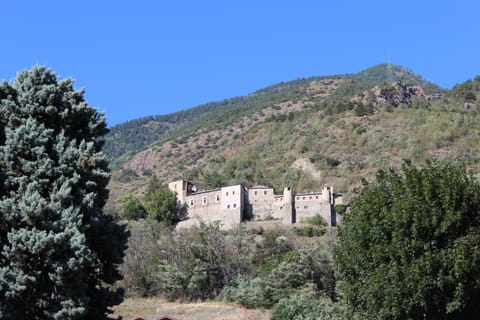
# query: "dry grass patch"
148,307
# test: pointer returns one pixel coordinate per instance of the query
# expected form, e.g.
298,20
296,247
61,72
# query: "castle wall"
232,205
317,203
228,204
278,207
261,202
225,205
287,210
204,205
180,189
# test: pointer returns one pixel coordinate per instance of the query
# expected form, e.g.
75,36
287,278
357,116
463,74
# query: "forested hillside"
306,134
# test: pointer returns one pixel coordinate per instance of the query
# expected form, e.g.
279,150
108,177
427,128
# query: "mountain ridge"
123,140
331,130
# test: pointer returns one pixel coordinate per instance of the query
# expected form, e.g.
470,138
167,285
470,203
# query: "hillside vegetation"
306,134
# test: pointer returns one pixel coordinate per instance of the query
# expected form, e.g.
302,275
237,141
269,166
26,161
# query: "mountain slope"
126,139
310,133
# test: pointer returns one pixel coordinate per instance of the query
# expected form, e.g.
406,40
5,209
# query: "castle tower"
180,188
288,215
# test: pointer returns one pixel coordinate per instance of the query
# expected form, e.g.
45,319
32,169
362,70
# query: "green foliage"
246,292
161,205
300,307
60,253
316,220
466,91
145,247
408,247
272,249
364,109
132,208
341,209
126,175
311,266
199,262
309,270
309,231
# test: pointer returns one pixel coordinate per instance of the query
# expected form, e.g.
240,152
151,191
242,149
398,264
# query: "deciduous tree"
410,246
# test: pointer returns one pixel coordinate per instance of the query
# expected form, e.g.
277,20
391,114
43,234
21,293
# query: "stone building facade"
232,204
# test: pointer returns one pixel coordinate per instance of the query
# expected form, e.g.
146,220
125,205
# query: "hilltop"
307,133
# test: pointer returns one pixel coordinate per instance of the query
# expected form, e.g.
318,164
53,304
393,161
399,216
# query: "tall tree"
161,205
59,252
410,246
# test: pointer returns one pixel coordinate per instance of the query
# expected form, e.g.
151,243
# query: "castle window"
298,198
226,193
233,192
255,193
204,200
316,197
310,198
228,206
192,203
303,198
234,205
265,192
217,197
305,207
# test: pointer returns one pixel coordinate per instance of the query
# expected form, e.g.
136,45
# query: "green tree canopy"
59,253
161,203
410,246
132,208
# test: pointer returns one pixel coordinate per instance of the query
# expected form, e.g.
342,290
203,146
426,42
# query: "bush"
247,292
132,208
341,208
299,307
316,220
309,231
199,262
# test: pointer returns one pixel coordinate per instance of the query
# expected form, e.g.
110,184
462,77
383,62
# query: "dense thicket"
254,269
410,246
59,252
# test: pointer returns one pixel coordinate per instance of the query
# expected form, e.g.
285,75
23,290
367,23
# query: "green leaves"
402,249
161,205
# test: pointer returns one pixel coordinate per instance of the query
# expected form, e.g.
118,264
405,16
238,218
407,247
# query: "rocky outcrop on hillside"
394,94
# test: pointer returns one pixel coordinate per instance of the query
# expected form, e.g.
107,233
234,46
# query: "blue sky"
140,58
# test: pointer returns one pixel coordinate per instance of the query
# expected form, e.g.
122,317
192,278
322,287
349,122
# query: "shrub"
309,231
300,307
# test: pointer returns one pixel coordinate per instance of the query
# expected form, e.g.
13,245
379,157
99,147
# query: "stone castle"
233,204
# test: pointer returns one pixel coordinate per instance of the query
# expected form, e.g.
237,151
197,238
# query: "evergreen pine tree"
59,252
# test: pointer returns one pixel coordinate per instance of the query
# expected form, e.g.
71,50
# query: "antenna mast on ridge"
389,71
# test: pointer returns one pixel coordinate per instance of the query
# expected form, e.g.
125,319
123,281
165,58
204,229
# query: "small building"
231,204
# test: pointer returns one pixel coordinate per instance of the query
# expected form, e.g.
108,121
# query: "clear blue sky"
139,58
